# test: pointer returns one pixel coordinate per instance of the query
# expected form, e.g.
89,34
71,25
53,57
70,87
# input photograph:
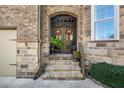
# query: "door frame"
73,16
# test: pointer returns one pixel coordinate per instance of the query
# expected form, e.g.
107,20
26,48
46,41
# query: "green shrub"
108,74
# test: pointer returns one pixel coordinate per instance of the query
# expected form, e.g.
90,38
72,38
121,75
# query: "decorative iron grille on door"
63,27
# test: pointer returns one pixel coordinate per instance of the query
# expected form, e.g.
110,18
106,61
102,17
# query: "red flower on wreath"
57,32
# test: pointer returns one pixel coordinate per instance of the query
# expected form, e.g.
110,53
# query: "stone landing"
61,66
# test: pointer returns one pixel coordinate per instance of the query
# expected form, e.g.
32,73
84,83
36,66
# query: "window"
104,22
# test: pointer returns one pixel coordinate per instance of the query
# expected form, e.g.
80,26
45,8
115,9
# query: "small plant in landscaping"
76,55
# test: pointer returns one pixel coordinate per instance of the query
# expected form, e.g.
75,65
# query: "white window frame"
116,24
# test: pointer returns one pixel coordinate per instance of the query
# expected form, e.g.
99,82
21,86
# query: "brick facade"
50,11
26,21
111,52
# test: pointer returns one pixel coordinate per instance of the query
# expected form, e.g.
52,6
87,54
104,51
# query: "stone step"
62,68
60,57
62,62
63,75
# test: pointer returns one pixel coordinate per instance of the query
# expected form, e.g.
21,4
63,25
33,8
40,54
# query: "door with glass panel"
63,27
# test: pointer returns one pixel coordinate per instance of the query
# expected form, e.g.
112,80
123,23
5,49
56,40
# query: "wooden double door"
64,28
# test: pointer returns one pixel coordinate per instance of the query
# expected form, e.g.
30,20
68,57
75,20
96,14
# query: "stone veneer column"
45,35
27,45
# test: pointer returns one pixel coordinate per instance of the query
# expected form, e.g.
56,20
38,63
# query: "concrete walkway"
12,82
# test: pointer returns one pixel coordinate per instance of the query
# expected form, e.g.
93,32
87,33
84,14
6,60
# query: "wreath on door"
58,34
68,33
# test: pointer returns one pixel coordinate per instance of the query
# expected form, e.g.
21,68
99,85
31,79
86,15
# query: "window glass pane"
105,30
104,11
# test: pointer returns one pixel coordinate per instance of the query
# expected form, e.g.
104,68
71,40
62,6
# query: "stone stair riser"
62,67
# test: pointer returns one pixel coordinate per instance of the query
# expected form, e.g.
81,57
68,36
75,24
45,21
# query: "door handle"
13,39
13,64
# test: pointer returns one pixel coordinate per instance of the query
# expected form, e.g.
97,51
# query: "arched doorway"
63,32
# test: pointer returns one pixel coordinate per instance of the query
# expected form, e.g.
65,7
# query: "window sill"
104,41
